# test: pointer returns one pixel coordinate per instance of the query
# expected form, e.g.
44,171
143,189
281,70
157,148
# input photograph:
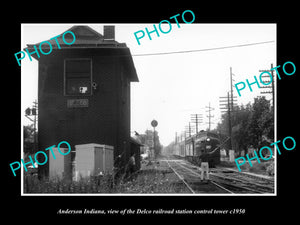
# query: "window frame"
91,77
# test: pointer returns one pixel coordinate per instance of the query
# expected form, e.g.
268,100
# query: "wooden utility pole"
209,115
229,122
196,118
33,112
231,91
272,84
188,129
227,105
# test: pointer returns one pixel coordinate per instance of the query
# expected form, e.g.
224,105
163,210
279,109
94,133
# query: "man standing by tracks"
204,167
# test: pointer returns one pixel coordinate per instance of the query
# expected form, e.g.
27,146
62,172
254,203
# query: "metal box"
61,166
93,160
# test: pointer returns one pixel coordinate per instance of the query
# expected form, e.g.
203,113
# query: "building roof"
88,38
85,37
135,142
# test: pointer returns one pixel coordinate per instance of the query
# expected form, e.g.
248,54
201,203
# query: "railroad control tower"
84,92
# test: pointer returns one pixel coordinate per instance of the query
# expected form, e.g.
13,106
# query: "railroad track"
181,178
192,181
226,180
248,181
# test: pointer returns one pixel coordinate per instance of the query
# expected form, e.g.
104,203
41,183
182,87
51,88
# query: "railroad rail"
181,178
226,180
191,179
248,182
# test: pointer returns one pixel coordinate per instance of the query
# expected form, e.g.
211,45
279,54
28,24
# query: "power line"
202,50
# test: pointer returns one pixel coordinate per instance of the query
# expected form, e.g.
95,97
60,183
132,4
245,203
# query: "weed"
145,181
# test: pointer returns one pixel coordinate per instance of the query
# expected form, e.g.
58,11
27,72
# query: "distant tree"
158,146
259,123
169,149
266,123
240,133
147,139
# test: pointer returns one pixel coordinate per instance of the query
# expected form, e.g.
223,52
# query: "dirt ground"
154,177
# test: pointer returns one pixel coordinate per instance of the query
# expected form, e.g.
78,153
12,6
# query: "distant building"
84,92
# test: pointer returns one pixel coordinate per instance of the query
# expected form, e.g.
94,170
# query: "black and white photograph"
178,113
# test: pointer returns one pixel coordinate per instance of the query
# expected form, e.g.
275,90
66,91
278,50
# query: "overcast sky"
174,86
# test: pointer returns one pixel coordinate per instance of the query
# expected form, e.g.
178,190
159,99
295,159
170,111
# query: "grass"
146,181
33,185
152,179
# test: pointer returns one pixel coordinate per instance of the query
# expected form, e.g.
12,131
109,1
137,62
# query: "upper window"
78,77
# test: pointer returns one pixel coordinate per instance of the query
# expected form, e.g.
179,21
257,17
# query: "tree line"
252,125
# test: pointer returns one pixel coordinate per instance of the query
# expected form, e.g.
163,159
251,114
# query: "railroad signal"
154,123
27,111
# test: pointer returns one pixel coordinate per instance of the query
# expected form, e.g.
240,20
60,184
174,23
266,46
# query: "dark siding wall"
105,121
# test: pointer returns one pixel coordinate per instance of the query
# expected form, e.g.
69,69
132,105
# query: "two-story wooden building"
84,91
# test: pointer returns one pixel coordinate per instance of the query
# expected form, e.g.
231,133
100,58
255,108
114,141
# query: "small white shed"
60,167
93,159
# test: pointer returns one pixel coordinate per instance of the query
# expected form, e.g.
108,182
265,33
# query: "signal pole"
154,124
